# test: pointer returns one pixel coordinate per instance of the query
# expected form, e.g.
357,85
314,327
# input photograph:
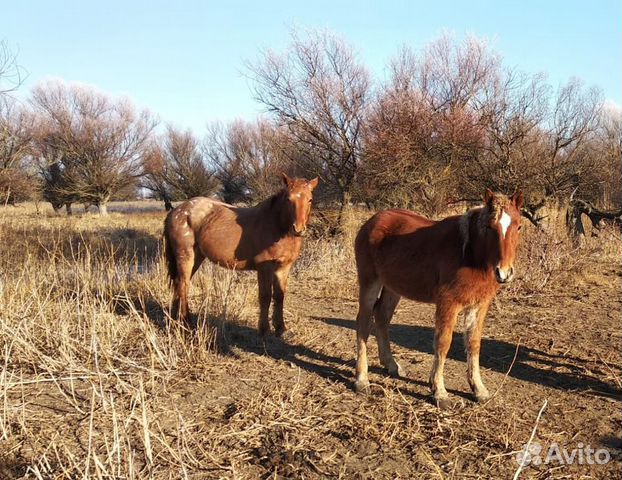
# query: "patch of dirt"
562,347
273,409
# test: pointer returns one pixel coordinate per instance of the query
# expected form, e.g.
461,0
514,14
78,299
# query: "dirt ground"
286,409
563,349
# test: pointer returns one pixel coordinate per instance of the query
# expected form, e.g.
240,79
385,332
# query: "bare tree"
450,74
97,140
609,148
248,157
319,91
17,181
452,121
11,74
573,121
512,110
176,168
155,171
426,124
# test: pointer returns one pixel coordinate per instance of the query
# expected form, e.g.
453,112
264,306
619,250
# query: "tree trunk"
68,209
167,204
597,217
345,201
103,208
574,223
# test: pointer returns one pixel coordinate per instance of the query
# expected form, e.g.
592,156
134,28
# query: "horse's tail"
171,263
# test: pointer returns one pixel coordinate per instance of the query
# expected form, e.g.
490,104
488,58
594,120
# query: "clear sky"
184,60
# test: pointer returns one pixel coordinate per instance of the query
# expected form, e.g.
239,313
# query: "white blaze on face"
505,222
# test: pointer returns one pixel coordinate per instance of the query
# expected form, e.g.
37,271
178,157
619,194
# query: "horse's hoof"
361,386
285,335
482,397
396,371
443,403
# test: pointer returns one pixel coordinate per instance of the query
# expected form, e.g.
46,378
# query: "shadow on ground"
531,365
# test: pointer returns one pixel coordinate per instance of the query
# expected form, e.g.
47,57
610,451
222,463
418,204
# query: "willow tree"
97,142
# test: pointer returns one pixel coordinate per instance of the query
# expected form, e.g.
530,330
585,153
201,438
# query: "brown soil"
274,409
563,348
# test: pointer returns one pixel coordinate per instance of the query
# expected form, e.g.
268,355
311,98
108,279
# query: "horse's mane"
275,203
276,198
464,226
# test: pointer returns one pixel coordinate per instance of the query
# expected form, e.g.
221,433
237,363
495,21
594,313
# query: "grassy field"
97,382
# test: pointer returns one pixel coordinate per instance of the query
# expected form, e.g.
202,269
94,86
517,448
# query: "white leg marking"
505,222
470,317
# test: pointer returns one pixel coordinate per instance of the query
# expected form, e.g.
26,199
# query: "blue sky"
184,60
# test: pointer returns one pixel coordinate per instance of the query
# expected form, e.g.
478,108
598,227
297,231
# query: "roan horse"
456,263
266,238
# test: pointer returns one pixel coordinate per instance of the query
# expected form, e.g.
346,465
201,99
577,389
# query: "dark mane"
276,198
276,204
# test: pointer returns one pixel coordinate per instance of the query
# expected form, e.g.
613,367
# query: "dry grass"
97,382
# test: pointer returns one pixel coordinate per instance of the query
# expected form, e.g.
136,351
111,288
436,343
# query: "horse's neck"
273,209
473,246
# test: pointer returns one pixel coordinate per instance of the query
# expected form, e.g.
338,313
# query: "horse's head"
501,222
299,194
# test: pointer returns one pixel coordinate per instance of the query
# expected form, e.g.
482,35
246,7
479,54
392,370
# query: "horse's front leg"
474,325
446,314
279,287
264,280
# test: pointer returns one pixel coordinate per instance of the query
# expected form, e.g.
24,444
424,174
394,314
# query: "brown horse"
266,238
456,263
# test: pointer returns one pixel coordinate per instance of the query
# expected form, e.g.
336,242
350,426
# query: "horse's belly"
414,284
218,241
232,264
417,293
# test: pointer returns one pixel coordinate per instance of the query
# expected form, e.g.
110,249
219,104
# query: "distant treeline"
448,122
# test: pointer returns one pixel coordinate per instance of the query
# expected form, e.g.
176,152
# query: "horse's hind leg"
368,294
383,312
181,283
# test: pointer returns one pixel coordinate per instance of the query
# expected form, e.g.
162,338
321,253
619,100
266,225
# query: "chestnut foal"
456,263
266,238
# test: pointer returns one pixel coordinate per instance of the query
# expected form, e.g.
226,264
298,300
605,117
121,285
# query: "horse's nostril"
500,275
299,231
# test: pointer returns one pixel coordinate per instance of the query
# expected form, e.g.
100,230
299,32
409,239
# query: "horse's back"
185,224
406,251
387,224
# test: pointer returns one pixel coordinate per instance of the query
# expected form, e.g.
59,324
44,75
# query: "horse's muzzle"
504,275
299,233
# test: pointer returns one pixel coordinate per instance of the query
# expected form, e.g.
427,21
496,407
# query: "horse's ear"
489,196
518,199
286,180
313,183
